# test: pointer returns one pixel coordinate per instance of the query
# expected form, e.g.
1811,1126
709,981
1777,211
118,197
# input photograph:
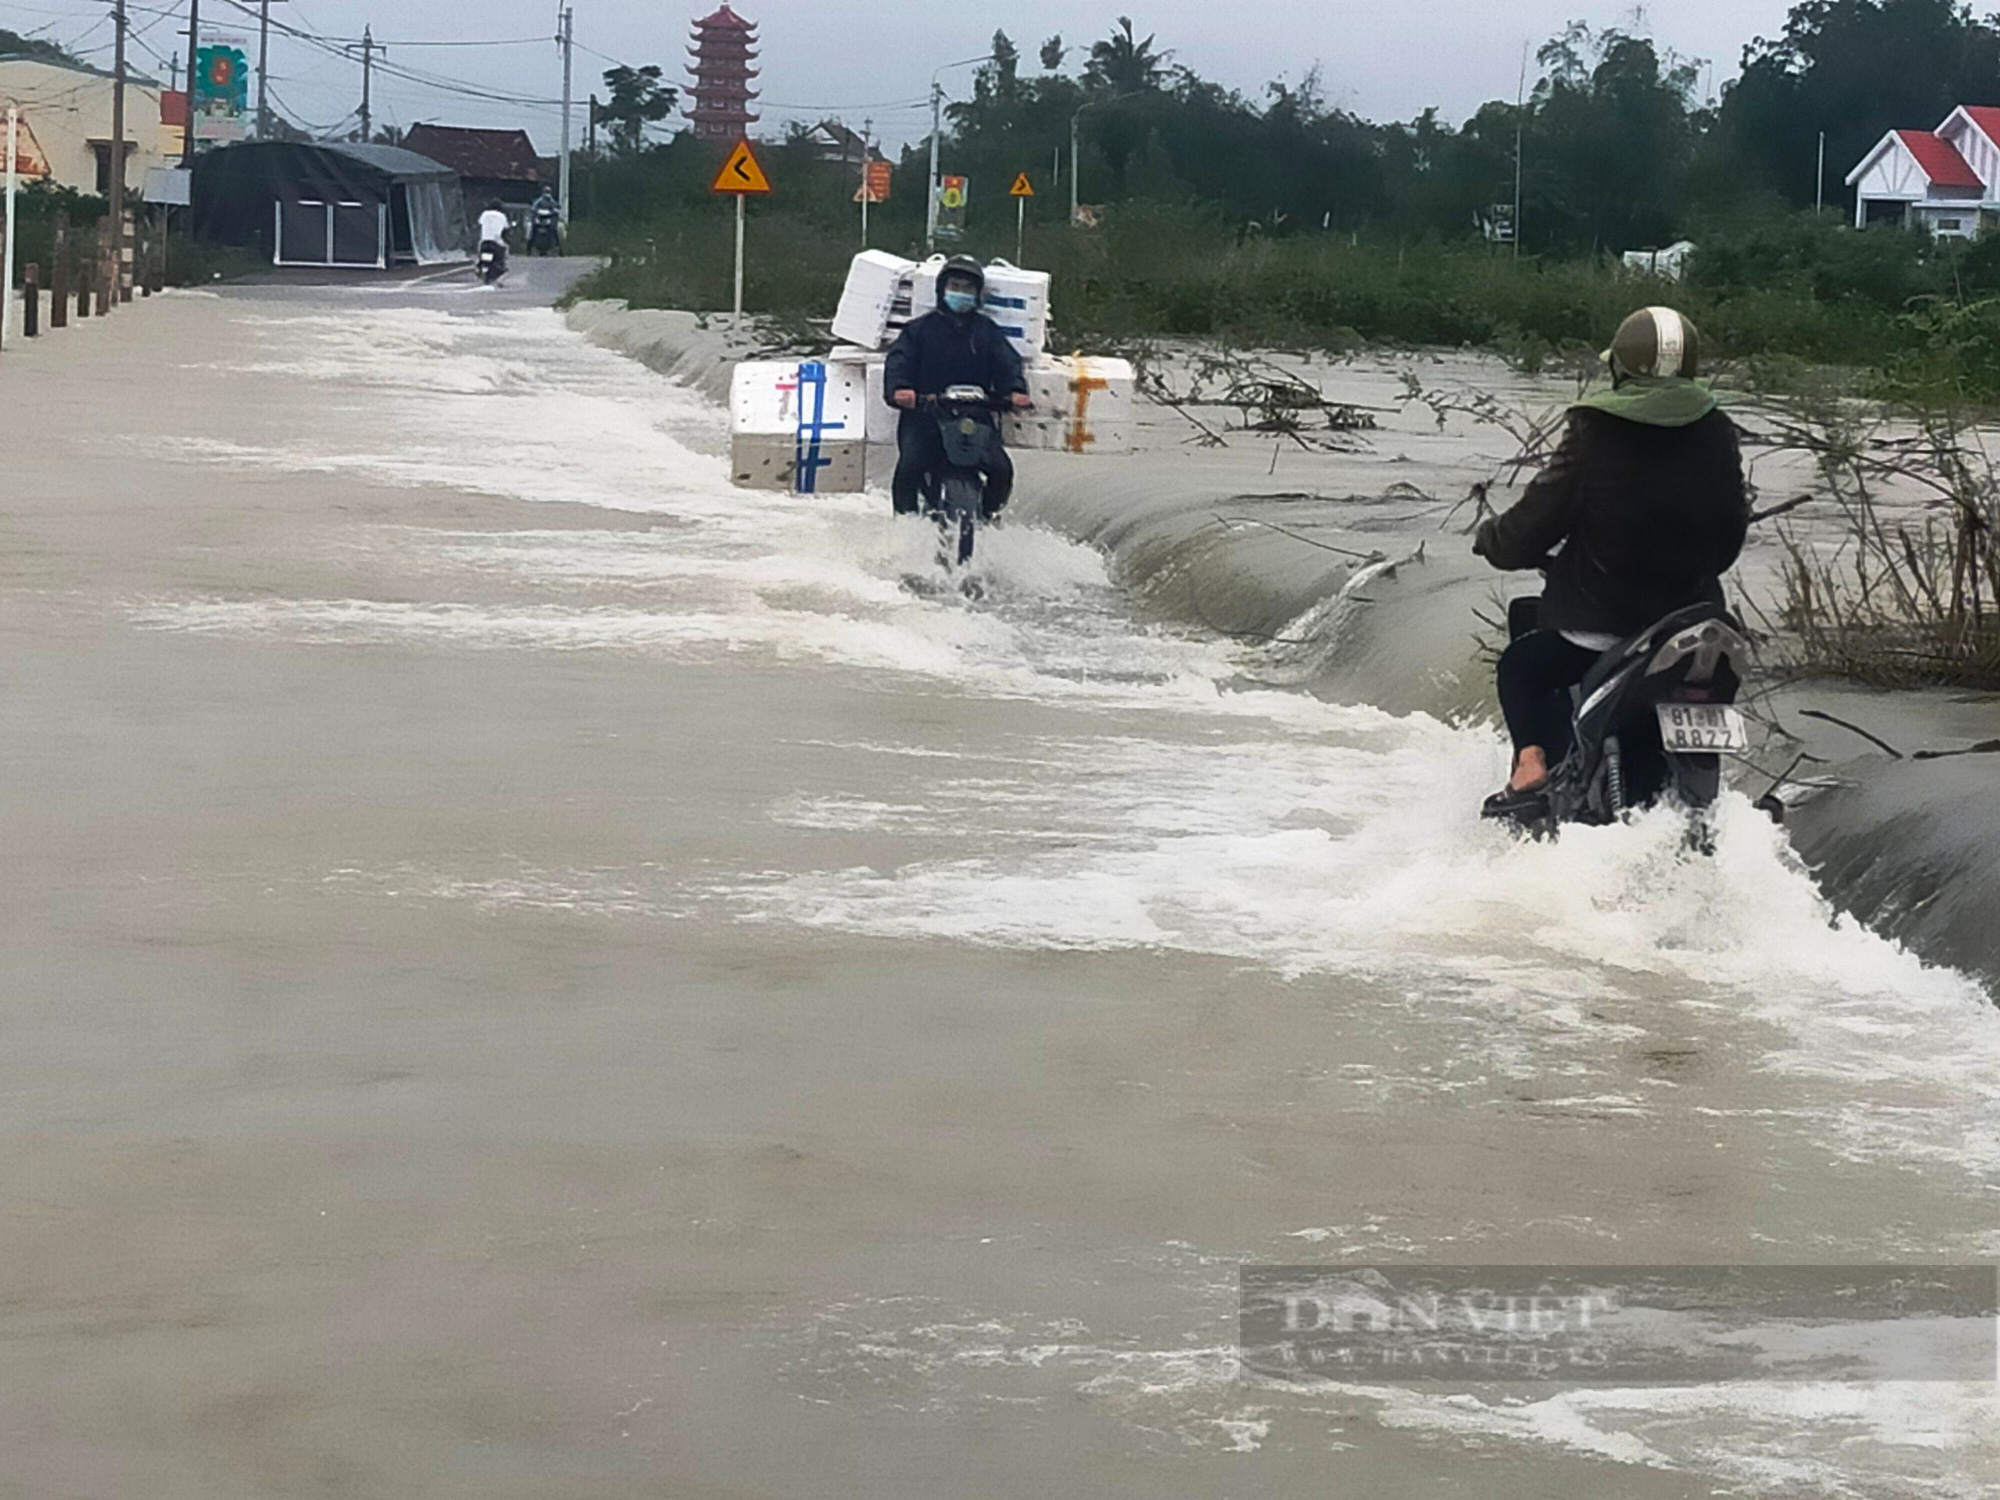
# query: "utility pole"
118,150
194,44
1072,165
1819,180
7,227
368,50
937,129
1520,141
263,69
867,156
565,39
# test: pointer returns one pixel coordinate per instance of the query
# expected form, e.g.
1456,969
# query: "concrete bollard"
102,271
59,277
31,300
126,244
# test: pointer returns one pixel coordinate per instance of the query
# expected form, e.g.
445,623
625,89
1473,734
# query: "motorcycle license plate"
1703,728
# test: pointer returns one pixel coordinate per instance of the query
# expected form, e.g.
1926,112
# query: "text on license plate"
1709,727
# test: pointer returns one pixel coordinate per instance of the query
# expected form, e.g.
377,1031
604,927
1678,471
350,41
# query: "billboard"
221,90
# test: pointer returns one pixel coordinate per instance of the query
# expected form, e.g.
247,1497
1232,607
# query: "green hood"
1653,401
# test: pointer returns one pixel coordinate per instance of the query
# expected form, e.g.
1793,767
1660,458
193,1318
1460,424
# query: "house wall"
68,109
1894,176
1950,221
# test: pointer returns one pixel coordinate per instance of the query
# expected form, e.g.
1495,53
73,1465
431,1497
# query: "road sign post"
874,189
742,176
1022,190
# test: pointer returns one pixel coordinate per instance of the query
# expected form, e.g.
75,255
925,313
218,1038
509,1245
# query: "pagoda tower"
724,47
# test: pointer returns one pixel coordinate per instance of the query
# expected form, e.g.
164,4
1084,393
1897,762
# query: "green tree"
1122,64
13,44
1607,142
1000,76
637,98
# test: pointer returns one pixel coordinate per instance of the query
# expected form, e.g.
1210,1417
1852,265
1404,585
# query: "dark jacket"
1648,516
943,349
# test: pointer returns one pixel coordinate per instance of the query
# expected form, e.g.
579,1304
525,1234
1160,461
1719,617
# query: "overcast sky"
874,58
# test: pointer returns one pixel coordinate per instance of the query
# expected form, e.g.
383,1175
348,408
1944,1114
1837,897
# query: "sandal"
1508,803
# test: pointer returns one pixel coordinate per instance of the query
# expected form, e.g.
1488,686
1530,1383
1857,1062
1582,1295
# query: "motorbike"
969,425
1650,722
545,233
492,261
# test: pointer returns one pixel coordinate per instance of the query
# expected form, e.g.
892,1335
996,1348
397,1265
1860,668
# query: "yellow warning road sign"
1022,188
742,173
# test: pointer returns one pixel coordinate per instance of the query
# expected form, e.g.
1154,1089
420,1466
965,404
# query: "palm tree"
1123,64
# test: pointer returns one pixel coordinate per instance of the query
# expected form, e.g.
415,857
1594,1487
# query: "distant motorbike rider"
493,228
956,345
1645,497
545,224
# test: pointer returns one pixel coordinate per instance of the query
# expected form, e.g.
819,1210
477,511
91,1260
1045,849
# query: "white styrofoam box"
813,406
1018,301
923,285
882,417
1081,404
765,461
875,281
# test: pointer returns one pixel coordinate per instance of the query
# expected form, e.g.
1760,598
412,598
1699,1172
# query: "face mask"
961,302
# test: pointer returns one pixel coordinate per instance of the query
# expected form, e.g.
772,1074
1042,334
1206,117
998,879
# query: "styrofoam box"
881,417
876,280
1081,404
1018,301
765,461
810,410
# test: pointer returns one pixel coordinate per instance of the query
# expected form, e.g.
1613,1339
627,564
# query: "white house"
1947,180
66,111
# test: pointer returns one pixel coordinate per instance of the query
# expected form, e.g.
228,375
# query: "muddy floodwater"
531,972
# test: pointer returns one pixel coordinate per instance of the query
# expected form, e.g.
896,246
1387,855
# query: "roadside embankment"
1341,562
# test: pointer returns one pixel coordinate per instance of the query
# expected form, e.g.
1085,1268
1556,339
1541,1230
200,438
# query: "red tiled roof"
497,155
1987,118
1939,160
726,19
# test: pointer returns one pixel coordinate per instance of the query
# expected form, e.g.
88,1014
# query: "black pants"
920,453
1535,674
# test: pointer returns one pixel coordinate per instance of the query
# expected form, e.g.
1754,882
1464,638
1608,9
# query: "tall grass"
1159,270
1911,592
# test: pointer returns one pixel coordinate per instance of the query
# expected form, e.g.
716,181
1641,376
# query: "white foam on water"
1878,1440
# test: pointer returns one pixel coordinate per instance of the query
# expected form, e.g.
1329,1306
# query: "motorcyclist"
545,214
1646,499
955,345
493,228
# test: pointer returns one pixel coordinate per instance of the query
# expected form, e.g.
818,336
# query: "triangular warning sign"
741,173
1022,187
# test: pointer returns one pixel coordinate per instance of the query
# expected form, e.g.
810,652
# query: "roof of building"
1939,160
70,65
501,155
726,19
1985,117
391,161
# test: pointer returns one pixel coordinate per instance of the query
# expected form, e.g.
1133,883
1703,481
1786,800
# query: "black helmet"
965,266
1656,342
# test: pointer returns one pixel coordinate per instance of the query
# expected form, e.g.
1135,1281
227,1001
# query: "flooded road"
533,972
